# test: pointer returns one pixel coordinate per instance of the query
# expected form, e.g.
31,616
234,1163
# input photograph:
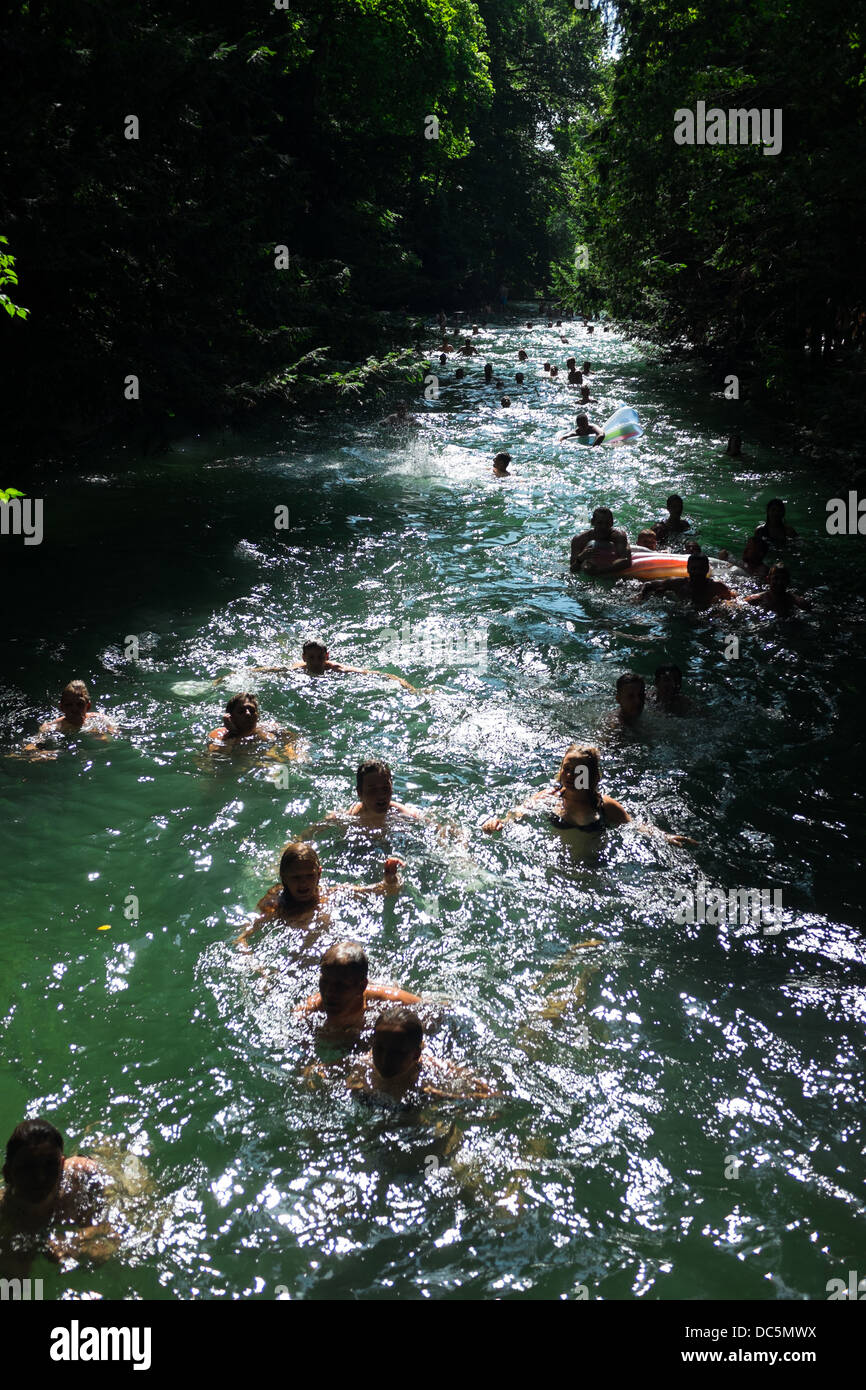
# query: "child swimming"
345,996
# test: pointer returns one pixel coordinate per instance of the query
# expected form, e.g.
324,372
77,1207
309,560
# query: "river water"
679,1109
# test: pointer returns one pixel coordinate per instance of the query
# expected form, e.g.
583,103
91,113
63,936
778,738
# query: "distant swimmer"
575,804
667,691
521,356
505,402
775,529
754,556
299,897
586,368
674,523
345,996
459,374
500,465
582,428
468,350
241,727
44,1192
317,662
77,714
630,699
585,397
779,597
698,589
519,378
601,550
488,373
399,1070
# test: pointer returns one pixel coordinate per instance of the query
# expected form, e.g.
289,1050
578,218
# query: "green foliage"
9,277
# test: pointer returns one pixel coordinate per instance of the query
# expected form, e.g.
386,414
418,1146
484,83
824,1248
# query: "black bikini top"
594,827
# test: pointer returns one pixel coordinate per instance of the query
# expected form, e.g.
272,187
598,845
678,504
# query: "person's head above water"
580,769
488,372
630,694
34,1162
547,366
581,423
648,539
506,401
602,519
521,356
315,654
518,377
343,976
397,1041
698,566
242,713
571,363
755,549
674,505
775,511
74,702
667,681
501,462
300,871
375,786
586,369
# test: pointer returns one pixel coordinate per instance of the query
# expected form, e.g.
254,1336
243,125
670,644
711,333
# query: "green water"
605,1159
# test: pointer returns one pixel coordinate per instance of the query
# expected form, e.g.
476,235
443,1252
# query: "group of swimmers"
44,1189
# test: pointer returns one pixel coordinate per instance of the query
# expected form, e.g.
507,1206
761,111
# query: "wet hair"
374,765
586,368
571,362
521,356
704,559
518,377
298,853
313,644
30,1133
775,502
584,753
674,497
405,1021
506,400
488,369
76,688
577,423
647,538
242,699
669,671
584,391
459,373
599,511
349,956
547,366
631,678
443,358
503,459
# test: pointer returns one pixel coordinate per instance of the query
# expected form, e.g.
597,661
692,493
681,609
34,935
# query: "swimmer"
775,530
582,428
43,1190
571,364
400,417
754,555
586,398
241,722
443,359
601,550
459,374
375,787
475,328
674,522
547,366
631,698
345,993
400,1070
488,373
505,402
778,597
667,691
500,465
554,371
299,896
76,714
574,802
519,378
317,662
586,369
499,383
648,539
698,588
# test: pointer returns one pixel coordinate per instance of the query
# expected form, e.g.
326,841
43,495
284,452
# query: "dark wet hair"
30,1133
774,502
630,678
674,497
373,765
518,377
349,956
313,644
241,700
669,671
705,562
405,1021
501,458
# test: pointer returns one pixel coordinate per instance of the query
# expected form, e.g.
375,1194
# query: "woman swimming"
574,802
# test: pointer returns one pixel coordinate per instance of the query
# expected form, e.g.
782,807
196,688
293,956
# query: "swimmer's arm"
310,1006
655,586
391,994
572,435
646,829
266,909
578,545
518,812
273,670
96,1244
390,883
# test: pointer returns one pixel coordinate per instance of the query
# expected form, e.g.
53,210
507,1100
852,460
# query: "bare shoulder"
616,813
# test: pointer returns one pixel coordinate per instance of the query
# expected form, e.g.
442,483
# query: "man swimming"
500,465
76,714
583,429
775,529
630,698
45,1190
345,994
398,1069
778,597
241,727
698,589
674,523
667,691
317,662
602,549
